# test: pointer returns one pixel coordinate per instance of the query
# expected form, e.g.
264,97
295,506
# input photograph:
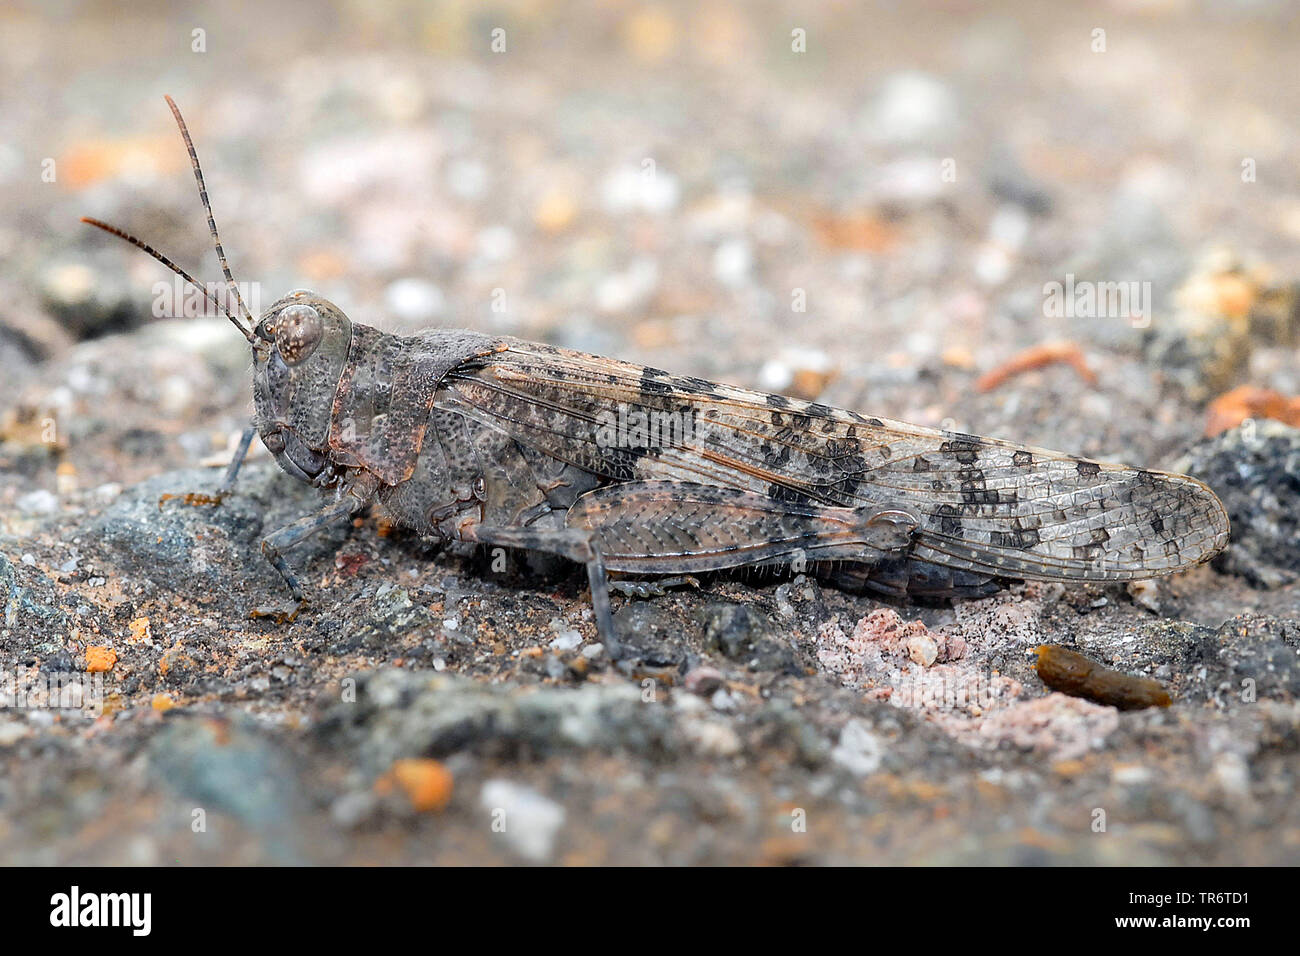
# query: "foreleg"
275,544
227,482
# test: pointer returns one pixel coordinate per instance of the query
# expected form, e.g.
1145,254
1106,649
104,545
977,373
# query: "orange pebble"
100,659
1232,408
427,783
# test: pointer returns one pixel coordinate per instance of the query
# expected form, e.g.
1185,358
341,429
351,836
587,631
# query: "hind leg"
904,578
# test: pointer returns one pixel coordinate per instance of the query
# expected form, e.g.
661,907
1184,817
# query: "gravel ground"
870,221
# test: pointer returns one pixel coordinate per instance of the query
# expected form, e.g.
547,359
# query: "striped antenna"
144,246
212,223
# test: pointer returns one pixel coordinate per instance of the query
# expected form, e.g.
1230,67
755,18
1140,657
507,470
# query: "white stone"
566,640
859,750
732,262
528,821
38,502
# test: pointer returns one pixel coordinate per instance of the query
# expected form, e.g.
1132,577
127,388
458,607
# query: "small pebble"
860,750
722,699
566,640
922,649
732,262
100,659
427,783
39,502
352,809
1145,594
704,680
912,106
639,189
527,820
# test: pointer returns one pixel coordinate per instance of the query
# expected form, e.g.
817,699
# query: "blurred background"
859,202
863,203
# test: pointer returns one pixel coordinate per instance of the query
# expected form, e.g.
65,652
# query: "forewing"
984,505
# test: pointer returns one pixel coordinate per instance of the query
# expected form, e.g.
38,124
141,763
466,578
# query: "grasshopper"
497,441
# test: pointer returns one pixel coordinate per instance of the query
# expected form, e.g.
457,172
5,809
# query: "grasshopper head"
300,348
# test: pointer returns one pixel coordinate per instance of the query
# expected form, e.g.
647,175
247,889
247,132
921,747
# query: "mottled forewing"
984,505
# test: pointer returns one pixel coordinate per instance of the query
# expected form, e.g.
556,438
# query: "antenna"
212,223
139,244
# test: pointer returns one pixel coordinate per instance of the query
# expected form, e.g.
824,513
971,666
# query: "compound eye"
298,331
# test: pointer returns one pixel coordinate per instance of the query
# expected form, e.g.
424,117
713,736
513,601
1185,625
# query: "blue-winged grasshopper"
480,438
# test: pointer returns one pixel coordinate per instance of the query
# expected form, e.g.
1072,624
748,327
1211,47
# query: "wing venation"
986,505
